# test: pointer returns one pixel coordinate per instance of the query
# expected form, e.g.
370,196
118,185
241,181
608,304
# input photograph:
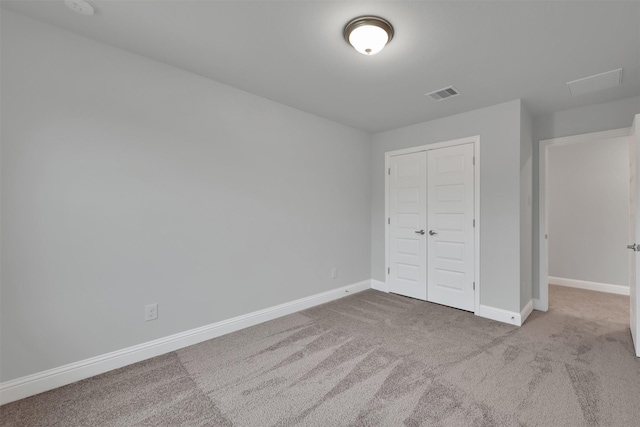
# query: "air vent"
444,93
596,82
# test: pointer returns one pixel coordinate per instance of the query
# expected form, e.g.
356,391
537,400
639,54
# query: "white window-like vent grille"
444,93
596,82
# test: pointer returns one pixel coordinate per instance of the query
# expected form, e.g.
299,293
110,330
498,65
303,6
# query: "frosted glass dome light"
368,34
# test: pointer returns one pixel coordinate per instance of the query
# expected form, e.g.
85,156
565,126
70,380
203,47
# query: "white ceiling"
293,52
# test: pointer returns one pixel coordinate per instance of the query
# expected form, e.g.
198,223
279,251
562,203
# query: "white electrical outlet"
334,272
150,312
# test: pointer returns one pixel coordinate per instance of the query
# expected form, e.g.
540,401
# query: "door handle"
432,233
419,232
633,247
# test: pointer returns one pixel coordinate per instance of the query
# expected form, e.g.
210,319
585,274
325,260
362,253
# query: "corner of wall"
526,205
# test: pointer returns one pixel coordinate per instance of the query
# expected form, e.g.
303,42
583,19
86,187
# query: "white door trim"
475,140
543,206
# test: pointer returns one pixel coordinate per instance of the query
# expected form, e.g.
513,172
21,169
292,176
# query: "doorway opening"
584,213
585,208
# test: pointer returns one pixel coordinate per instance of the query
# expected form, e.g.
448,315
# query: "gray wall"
499,130
594,118
588,219
526,206
127,182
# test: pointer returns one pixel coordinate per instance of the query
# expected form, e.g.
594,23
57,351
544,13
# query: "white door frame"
475,140
542,303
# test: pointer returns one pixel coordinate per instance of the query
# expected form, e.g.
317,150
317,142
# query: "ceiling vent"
596,82
444,93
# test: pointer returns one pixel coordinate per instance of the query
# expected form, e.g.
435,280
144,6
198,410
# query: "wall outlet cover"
150,312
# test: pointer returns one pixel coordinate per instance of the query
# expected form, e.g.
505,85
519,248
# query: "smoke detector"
79,6
444,93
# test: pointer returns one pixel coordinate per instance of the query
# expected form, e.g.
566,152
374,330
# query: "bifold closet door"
450,249
407,225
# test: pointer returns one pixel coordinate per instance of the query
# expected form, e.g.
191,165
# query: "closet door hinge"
474,223
474,286
389,221
389,171
388,270
474,160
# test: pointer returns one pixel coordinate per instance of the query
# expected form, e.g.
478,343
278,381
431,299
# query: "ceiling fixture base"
80,6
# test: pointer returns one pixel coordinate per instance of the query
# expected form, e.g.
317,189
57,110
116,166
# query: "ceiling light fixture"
368,34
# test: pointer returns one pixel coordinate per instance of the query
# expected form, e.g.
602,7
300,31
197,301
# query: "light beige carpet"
375,359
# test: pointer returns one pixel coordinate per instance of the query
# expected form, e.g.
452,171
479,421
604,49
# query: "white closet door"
407,225
450,222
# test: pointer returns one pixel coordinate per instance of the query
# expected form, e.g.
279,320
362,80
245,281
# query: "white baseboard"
379,286
526,311
590,286
505,316
67,374
537,305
